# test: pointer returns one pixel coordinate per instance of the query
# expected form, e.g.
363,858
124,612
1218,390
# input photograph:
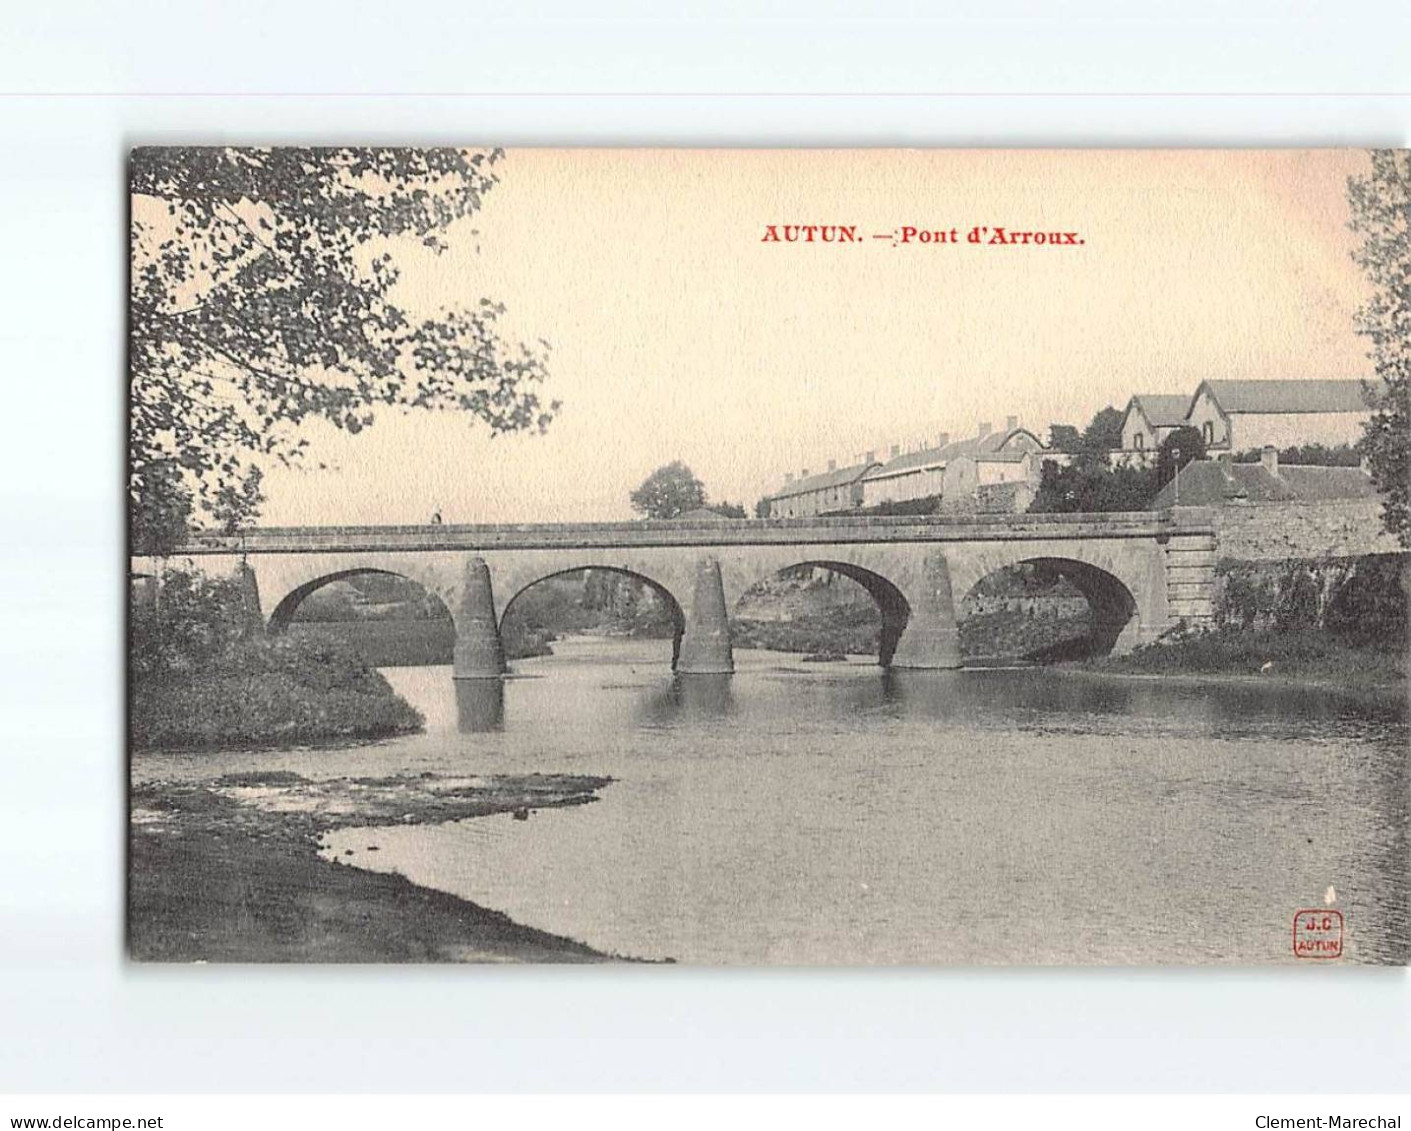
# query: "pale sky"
677,334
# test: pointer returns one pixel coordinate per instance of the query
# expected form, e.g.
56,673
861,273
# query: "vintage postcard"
851,557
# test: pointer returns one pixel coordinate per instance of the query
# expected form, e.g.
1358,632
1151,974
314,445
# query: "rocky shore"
228,870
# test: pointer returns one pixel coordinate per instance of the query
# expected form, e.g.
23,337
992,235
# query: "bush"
194,620
202,676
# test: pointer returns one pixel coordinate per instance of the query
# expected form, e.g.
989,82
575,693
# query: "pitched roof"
1162,410
839,478
986,446
1213,482
1286,396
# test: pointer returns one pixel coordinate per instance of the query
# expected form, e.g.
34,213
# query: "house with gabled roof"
1149,419
1239,416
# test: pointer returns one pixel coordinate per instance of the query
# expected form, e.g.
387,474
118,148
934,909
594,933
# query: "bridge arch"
1112,599
891,602
284,611
665,595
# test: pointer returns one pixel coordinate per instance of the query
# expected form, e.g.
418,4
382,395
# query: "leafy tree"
1089,482
161,524
730,510
1381,215
1308,455
669,491
1104,431
1102,435
262,295
1184,445
1065,438
761,508
196,620
1087,485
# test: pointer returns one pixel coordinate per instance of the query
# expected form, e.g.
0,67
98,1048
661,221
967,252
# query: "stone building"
955,470
1269,511
1239,416
837,489
1149,419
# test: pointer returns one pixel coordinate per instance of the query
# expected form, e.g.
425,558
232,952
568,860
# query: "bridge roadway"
1142,573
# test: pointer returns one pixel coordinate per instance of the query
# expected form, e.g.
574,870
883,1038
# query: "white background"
85,81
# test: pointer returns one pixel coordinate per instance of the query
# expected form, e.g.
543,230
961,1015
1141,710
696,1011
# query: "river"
837,813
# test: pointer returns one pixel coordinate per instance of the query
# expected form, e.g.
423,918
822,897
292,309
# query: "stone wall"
1363,597
1039,607
1280,531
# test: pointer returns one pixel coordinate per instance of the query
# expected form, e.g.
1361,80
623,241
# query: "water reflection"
688,698
802,812
480,705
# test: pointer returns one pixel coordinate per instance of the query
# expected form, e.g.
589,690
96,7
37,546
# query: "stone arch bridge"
1142,573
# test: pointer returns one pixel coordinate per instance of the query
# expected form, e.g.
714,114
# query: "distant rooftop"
1214,482
1287,396
987,446
838,478
1163,410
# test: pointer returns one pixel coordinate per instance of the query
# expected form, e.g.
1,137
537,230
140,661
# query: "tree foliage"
1308,455
1102,435
1381,215
1092,486
1184,445
669,491
262,294
160,523
1065,438
194,620
1104,431
1088,482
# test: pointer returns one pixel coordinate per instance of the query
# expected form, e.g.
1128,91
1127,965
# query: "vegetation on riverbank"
203,675
1305,655
230,871
1338,622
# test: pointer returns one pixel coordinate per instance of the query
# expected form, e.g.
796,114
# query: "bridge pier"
478,653
705,646
252,619
931,639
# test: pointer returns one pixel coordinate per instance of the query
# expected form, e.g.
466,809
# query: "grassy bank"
229,871
268,692
1312,656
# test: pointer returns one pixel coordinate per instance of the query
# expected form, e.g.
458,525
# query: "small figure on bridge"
436,517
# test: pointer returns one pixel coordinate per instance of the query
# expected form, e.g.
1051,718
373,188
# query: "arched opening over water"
590,601
1044,610
823,609
391,620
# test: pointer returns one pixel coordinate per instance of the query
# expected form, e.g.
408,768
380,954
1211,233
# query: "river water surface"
837,813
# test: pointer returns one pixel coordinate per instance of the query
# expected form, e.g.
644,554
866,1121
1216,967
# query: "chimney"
803,474
1269,460
871,457
832,465
896,450
1011,423
788,477
984,428
942,439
